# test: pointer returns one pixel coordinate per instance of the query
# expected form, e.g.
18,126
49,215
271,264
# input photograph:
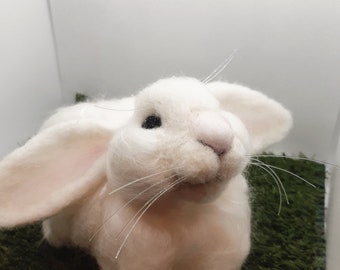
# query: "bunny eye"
152,121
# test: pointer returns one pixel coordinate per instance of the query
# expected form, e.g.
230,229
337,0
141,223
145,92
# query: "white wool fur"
65,174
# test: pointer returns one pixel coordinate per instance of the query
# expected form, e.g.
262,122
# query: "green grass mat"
292,240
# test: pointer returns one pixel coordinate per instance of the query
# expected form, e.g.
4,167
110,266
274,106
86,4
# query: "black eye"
152,121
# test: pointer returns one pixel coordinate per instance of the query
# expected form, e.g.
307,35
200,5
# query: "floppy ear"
53,169
267,121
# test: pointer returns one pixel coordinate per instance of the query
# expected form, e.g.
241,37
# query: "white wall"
333,213
287,48
29,82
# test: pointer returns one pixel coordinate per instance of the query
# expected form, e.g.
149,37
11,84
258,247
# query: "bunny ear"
53,169
267,121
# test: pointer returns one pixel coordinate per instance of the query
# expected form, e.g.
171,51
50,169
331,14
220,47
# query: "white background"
289,49
29,82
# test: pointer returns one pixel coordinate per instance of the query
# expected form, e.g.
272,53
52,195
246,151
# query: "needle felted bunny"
157,187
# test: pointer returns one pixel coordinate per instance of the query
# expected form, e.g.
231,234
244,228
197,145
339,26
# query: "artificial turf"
294,239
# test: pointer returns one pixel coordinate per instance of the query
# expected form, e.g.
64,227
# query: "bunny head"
184,138
178,132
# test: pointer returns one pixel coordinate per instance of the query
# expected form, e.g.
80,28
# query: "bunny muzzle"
213,131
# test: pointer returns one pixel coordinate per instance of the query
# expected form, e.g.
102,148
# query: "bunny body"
173,165
185,237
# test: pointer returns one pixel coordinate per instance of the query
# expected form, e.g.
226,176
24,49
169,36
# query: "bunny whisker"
119,110
139,180
277,181
138,212
293,174
259,162
299,158
125,205
220,68
112,109
142,211
277,184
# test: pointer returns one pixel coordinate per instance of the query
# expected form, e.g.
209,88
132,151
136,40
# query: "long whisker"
276,181
140,179
142,211
220,68
276,176
298,158
112,109
125,205
295,175
120,110
146,203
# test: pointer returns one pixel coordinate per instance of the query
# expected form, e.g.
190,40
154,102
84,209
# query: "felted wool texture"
292,240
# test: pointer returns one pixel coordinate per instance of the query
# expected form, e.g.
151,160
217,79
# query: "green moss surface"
292,240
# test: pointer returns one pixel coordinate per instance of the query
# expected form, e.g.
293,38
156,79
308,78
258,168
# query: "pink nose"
213,130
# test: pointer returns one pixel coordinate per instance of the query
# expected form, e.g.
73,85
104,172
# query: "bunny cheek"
157,157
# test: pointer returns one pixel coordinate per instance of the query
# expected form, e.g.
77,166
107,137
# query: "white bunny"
149,182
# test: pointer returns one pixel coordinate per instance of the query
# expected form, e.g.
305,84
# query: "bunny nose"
213,130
